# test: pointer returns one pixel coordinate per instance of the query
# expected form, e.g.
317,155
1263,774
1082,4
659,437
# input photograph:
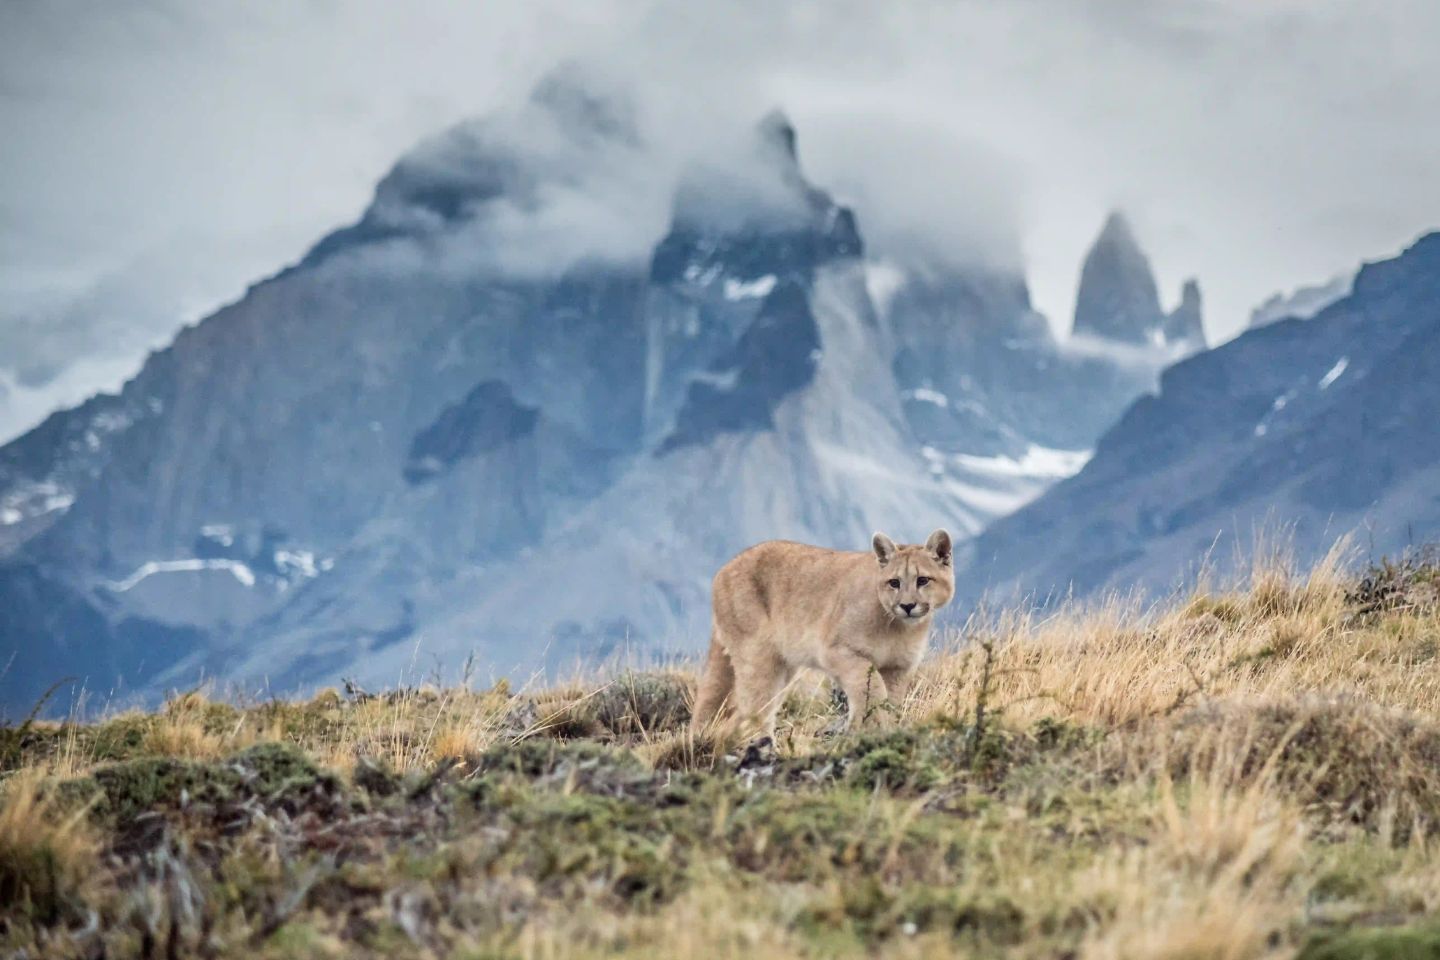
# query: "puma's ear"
939,546
884,548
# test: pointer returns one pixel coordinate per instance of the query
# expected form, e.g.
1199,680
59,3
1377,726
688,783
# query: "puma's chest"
898,648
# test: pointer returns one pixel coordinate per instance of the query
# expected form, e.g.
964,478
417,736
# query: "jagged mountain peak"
1118,299
1185,324
778,133
1117,232
757,185
754,215
1119,302
1190,294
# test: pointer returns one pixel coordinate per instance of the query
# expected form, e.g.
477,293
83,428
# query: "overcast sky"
159,156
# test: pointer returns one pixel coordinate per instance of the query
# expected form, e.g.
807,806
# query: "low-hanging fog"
160,155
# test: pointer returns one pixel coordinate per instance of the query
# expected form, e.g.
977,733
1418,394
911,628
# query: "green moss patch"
277,774
1395,943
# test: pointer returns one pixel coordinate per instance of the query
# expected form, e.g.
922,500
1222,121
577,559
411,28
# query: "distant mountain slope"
418,443
1329,425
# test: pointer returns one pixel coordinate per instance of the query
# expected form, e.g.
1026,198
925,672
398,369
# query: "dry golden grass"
1111,664
1231,775
47,855
181,731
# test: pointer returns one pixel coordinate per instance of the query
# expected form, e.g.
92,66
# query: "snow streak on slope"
999,485
243,574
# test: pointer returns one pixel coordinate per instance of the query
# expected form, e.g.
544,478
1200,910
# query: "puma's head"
914,581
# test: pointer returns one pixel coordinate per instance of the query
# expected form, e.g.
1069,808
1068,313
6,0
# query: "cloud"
1136,358
527,191
22,406
1258,146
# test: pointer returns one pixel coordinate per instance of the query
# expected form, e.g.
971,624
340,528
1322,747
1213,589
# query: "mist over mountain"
461,426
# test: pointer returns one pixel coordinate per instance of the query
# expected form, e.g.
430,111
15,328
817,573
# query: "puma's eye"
894,584
921,581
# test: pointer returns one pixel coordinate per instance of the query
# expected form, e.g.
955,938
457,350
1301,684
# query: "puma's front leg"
863,685
897,685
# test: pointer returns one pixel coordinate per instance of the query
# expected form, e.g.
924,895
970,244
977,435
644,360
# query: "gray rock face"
486,420
774,357
396,448
1326,425
1118,300
1184,325
981,372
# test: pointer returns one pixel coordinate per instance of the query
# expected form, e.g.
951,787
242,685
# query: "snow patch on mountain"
993,486
1334,373
883,280
749,289
242,573
926,395
32,500
1036,462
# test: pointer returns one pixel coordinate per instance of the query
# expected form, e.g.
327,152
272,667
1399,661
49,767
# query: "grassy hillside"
1252,773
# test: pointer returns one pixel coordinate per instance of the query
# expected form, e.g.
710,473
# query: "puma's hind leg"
717,686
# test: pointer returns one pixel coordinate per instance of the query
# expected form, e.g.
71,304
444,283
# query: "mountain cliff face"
1327,425
1184,325
1119,302
414,445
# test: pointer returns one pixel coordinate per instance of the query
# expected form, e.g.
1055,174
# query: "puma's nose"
907,607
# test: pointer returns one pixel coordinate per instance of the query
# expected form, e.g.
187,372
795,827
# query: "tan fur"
781,606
